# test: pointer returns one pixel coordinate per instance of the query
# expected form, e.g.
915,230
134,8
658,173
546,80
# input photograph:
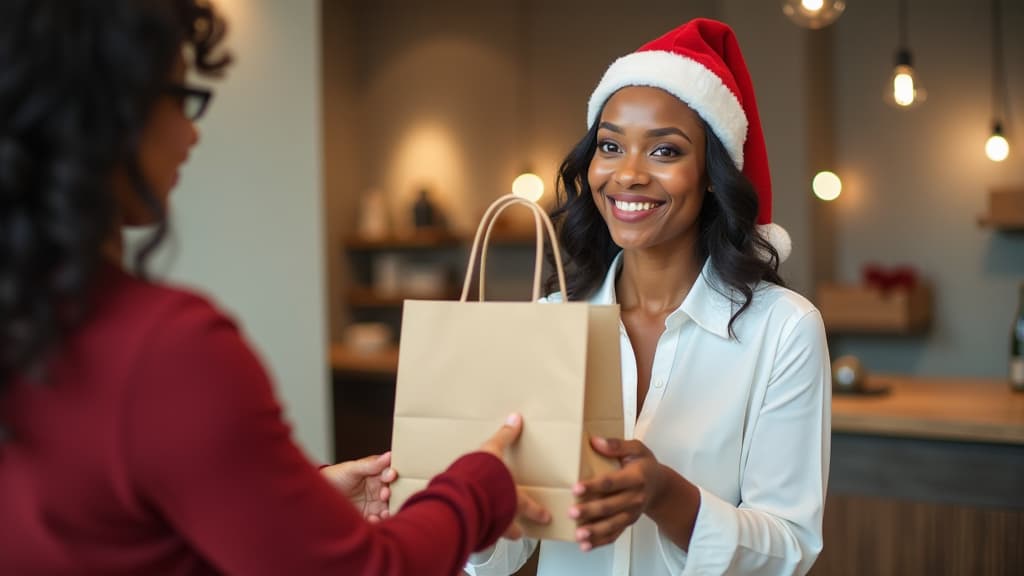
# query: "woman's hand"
526,507
365,483
608,504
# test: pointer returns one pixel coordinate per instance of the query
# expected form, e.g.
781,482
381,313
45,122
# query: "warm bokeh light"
827,185
813,14
903,90
997,148
528,185
428,154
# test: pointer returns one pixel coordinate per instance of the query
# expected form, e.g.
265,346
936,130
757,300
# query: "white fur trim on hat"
700,88
778,237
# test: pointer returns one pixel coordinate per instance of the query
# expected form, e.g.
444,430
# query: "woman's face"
647,175
166,140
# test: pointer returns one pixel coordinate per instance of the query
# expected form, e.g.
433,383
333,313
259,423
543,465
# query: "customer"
665,209
140,432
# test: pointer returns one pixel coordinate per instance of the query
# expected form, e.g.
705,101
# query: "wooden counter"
963,409
926,480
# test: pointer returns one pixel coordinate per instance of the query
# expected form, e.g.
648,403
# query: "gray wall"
341,146
917,179
248,225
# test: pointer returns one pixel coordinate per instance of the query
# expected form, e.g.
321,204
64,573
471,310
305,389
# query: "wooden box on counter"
856,308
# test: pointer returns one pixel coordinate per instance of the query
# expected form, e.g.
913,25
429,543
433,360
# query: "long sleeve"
776,528
501,559
208,451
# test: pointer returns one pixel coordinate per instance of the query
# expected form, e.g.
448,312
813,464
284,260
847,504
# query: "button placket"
664,357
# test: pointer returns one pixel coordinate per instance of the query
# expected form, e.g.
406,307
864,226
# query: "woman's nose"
632,172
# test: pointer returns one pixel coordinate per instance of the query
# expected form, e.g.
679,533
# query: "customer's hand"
365,483
609,503
526,507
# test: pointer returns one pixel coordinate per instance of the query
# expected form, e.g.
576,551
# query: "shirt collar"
705,303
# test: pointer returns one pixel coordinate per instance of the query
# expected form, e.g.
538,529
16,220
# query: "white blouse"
746,419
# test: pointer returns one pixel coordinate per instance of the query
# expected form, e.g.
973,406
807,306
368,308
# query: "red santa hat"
701,64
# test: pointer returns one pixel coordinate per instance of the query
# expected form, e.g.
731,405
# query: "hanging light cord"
903,56
523,120
903,26
1000,86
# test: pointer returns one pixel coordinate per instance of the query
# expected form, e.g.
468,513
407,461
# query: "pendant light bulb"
528,185
813,14
827,185
903,85
996,147
904,89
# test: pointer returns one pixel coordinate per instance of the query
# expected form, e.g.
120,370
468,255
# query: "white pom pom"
778,237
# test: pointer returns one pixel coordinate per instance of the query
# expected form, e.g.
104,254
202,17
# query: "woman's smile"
632,207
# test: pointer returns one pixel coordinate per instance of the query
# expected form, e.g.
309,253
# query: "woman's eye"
608,147
666,151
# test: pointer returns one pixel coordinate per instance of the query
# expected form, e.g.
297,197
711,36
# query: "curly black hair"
78,79
740,255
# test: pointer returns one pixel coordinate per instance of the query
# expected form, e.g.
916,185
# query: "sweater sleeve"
207,449
776,529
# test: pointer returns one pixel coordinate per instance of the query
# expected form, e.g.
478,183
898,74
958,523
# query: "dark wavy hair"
78,79
740,256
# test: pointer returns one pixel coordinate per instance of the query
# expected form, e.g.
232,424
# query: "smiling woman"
664,208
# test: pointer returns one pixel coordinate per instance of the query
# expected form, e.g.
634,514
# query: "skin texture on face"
164,146
647,175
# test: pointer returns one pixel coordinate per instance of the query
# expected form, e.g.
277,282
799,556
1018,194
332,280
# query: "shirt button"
658,382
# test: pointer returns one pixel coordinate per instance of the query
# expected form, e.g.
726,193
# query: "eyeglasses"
192,99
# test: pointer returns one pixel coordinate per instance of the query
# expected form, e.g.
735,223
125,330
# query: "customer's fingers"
526,509
530,509
505,436
370,465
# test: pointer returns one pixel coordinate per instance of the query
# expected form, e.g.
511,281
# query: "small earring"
711,189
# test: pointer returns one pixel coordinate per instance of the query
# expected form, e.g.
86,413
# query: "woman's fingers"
604,532
606,484
597,510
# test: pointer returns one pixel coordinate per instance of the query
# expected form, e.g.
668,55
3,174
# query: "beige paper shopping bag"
464,366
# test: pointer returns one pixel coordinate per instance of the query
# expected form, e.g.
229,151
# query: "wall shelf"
424,239
1005,210
344,358
864,309
430,239
1001,223
366,297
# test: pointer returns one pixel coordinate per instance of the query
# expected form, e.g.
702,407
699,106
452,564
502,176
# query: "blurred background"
351,150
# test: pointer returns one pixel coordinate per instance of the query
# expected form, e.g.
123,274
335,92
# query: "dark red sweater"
158,447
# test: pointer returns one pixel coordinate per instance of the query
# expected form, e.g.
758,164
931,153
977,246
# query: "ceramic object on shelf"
368,337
